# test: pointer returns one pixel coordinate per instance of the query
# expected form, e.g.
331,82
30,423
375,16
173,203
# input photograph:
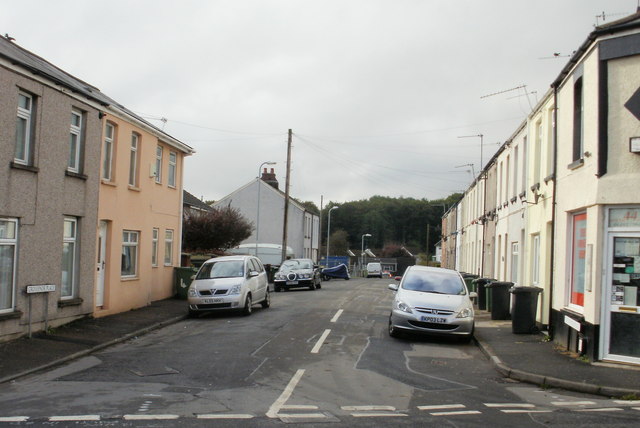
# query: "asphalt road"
314,357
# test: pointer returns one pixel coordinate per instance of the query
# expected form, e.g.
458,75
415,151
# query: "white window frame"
73,164
129,242
107,152
133,159
159,151
155,236
515,261
11,242
173,168
535,263
25,144
168,247
68,289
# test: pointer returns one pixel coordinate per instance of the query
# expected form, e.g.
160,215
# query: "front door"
101,263
622,300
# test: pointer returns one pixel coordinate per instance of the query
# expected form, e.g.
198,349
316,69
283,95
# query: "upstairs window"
578,120
107,155
173,157
75,141
23,129
159,164
133,160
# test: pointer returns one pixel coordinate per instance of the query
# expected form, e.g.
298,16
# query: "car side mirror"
473,295
193,277
393,287
253,273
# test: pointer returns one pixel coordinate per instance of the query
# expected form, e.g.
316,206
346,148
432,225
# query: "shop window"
578,259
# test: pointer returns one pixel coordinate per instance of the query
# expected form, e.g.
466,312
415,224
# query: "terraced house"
50,132
90,200
564,212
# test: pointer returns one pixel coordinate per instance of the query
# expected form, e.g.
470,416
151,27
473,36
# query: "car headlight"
305,276
402,306
465,313
235,289
193,292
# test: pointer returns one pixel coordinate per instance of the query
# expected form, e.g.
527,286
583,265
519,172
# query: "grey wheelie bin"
525,306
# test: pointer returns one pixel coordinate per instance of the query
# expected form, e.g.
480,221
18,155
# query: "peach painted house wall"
140,208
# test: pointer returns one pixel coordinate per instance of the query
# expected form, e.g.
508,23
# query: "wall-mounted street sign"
44,288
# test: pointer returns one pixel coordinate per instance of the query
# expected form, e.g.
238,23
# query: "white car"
229,283
434,301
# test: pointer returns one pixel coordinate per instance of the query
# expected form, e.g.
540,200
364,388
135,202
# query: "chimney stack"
269,178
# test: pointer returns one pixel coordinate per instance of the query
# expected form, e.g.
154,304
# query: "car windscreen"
221,269
433,282
295,264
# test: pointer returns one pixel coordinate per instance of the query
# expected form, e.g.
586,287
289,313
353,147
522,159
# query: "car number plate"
292,282
212,300
434,319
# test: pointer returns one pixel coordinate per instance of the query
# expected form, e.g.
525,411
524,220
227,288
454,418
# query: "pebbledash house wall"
141,207
40,195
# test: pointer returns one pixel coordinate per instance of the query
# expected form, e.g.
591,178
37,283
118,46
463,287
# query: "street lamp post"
366,235
258,213
328,231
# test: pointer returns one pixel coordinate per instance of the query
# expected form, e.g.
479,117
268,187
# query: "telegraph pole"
286,199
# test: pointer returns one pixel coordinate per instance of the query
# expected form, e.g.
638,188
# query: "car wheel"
466,339
312,286
192,314
247,305
277,288
267,300
393,332
319,284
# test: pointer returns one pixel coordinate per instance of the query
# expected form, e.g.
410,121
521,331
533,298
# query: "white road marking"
573,403
367,408
601,409
337,315
14,418
442,407
509,405
636,408
224,416
377,415
302,415
627,402
74,418
525,411
320,341
286,394
299,407
149,417
462,412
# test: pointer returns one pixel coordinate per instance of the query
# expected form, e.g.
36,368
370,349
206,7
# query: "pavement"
524,357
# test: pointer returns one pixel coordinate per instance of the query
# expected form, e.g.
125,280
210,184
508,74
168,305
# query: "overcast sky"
377,92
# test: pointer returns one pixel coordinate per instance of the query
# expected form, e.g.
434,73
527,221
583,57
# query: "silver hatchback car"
232,282
434,301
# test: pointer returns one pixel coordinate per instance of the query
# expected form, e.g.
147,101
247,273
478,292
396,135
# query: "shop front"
621,299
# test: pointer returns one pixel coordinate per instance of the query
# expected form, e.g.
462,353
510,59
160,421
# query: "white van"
374,269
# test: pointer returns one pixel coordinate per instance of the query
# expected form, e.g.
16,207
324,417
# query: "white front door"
101,263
